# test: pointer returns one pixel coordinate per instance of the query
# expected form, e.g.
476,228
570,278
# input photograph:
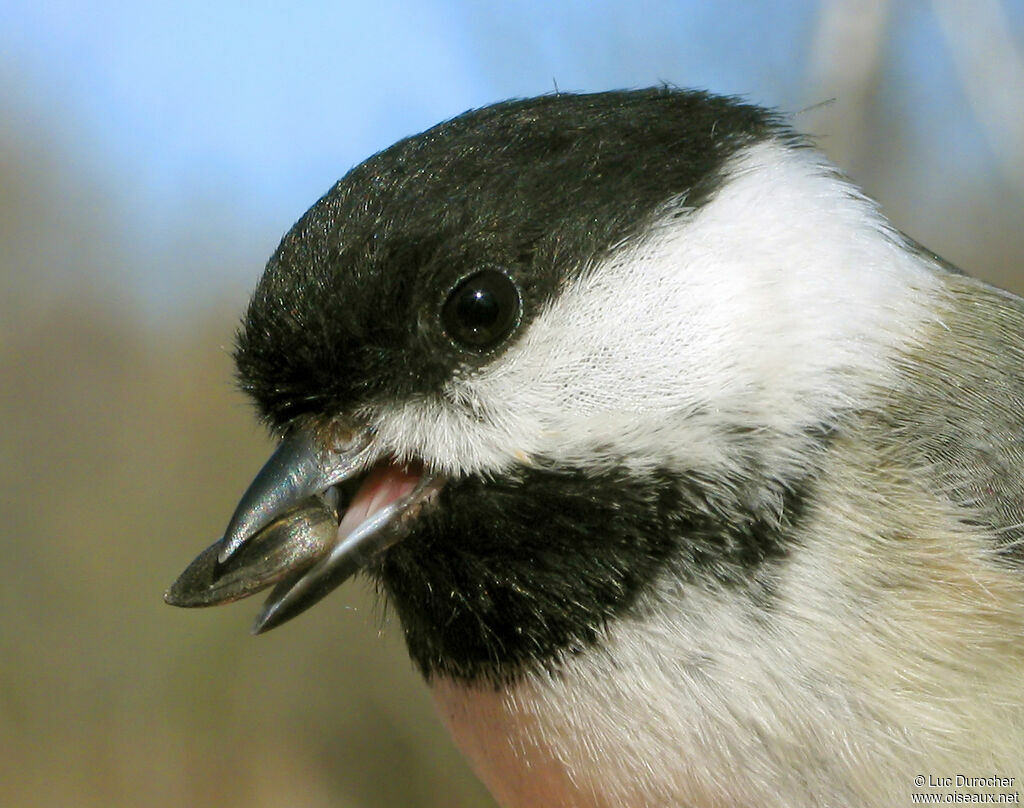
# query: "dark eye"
482,310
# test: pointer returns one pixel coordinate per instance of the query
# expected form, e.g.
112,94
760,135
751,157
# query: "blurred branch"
844,66
991,69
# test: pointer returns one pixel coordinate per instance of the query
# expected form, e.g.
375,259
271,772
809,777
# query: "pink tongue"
385,484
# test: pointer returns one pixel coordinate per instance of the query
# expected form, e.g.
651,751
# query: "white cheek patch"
772,307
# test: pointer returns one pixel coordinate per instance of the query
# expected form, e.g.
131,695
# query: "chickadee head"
572,363
572,341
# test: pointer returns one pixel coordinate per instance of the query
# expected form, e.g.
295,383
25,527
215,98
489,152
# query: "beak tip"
229,545
258,628
288,599
266,620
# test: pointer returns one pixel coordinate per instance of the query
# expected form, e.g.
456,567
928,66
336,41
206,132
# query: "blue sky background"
151,156
205,129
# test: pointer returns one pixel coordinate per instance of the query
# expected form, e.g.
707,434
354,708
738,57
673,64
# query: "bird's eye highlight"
482,310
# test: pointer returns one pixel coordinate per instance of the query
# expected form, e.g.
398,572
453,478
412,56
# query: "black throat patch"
508,576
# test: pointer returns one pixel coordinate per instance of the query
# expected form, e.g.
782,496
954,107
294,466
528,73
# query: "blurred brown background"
123,446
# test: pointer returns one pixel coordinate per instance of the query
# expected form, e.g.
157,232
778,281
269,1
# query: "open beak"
310,519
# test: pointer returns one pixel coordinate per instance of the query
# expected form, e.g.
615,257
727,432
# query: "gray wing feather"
960,409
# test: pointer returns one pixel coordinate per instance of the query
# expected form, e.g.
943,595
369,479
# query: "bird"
691,479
